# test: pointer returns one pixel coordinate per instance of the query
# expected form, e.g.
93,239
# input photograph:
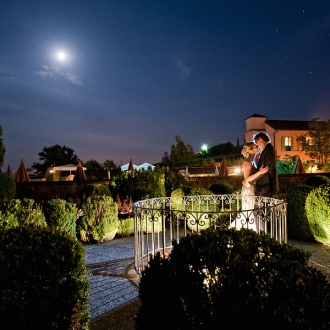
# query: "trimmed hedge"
233,279
298,226
222,189
317,180
43,281
318,213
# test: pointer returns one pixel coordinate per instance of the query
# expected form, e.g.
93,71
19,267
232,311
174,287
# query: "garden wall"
45,190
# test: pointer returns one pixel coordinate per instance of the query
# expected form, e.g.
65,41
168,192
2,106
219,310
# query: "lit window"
287,143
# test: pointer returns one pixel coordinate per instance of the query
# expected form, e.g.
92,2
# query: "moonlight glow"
61,56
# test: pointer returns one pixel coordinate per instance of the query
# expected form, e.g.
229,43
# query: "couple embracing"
259,170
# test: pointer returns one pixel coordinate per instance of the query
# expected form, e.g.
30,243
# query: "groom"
266,184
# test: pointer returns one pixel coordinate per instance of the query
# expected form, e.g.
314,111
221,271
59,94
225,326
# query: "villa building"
283,134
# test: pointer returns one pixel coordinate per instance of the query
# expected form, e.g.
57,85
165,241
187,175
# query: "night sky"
137,73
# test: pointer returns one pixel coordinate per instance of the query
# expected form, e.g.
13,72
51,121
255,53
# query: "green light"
204,148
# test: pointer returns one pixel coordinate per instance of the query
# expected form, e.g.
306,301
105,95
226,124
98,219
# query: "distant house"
283,134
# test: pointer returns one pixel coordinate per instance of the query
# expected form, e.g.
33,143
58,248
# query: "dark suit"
266,184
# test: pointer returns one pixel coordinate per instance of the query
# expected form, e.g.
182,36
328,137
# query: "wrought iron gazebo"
159,221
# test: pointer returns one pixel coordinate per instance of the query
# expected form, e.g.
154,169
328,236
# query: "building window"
287,143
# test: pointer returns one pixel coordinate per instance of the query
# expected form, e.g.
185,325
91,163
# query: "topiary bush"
99,222
317,180
43,280
221,189
318,213
61,214
298,226
19,213
234,279
7,187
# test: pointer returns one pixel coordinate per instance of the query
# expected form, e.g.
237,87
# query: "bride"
246,219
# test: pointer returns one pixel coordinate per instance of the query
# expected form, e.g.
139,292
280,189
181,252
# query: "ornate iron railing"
159,221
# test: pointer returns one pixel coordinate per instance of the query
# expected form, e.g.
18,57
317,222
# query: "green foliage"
173,180
316,141
179,205
61,214
180,154
92,164
298,227
17,213
286,165
318,213
43,278
126,227
96,189
233,279
326,167
58,155
139,184
7,187
317,180
222,189
220,149
109,164
99,222
2,149
189,191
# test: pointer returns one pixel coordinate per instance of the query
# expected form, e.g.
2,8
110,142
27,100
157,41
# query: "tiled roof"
290,125
256,116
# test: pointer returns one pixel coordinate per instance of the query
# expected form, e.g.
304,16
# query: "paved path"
114,301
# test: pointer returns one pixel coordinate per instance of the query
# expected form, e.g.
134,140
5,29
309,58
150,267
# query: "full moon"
61,56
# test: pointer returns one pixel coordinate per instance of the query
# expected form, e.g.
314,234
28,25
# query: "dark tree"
180,152
93,164
55,155
2,148
109,164
316,141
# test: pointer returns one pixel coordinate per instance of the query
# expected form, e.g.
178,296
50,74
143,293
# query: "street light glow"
204,147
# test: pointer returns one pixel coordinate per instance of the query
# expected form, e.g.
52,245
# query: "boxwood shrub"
61,214
19,213
318,213
99,222
298,226
126,227
43,281
233,279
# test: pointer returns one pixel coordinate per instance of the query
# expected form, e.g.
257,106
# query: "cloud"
184,69
53,72
73,78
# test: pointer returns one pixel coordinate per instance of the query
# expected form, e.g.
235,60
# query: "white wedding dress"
246,218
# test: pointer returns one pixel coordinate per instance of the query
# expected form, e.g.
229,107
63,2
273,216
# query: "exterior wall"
254,125
276,141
